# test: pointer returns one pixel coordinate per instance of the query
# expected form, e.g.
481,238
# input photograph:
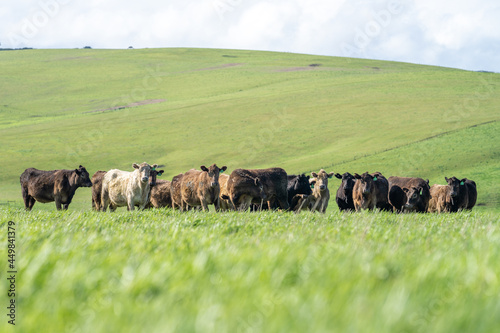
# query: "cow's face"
213,173
144,170
153,174
301,184
413,197
456,185
348,181
260,186
366,183
321,179
83,177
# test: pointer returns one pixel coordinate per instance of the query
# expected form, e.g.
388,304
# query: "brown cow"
318,200
225,204
96,189
441,199
201,188
370,191
175,191
244,184
416,193
56,185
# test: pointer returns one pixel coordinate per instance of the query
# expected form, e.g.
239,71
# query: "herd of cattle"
245,189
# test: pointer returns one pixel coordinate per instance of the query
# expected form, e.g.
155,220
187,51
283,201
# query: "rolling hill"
187,107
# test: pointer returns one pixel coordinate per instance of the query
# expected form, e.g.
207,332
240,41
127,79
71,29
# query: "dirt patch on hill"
131,105
217,67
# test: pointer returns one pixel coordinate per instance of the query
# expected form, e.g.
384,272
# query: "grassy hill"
187,107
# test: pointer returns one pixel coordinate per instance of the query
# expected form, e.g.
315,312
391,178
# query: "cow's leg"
130,204
104,199
27,199
58,202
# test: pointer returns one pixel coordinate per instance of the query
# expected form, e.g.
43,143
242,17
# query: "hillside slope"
187,107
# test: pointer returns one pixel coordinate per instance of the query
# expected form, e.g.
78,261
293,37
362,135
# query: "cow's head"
213,173
413,197
366,183
321,179
348,181
153,174
83,178
144,170
260,186
456,185
301,184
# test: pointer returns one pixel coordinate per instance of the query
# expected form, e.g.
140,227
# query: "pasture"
166,271
163,271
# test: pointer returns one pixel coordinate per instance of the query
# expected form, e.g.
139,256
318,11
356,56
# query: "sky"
452,33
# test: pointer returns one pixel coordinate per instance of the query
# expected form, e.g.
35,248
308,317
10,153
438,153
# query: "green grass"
244,109
162,271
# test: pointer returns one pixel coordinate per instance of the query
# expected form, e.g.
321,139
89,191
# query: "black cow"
344,192
459,193
298,184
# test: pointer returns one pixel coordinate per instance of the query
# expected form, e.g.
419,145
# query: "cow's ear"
462,182
161,172
427,181
405,189
375,178
154,166
135,166
80,167
224,168
314,174
446,178
204,168
338,175
77,171
357,176
256,181
330,175
308,177
312,183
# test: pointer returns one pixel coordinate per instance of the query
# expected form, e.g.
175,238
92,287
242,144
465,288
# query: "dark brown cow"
160,195
459,193
243,188
244,182
370,191
416,194
201,188
344,192
56,185
441,199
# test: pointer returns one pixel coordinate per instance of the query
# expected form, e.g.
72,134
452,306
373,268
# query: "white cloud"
450,33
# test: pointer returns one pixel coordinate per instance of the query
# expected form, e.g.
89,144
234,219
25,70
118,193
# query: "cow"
97,186
160,195
318,200
56,185
459,193
97,189
415,196
344,192
244,187
471,193
245,182
297,184
201,188
301,201
441,199
175,191
370,192
225,204
123,188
